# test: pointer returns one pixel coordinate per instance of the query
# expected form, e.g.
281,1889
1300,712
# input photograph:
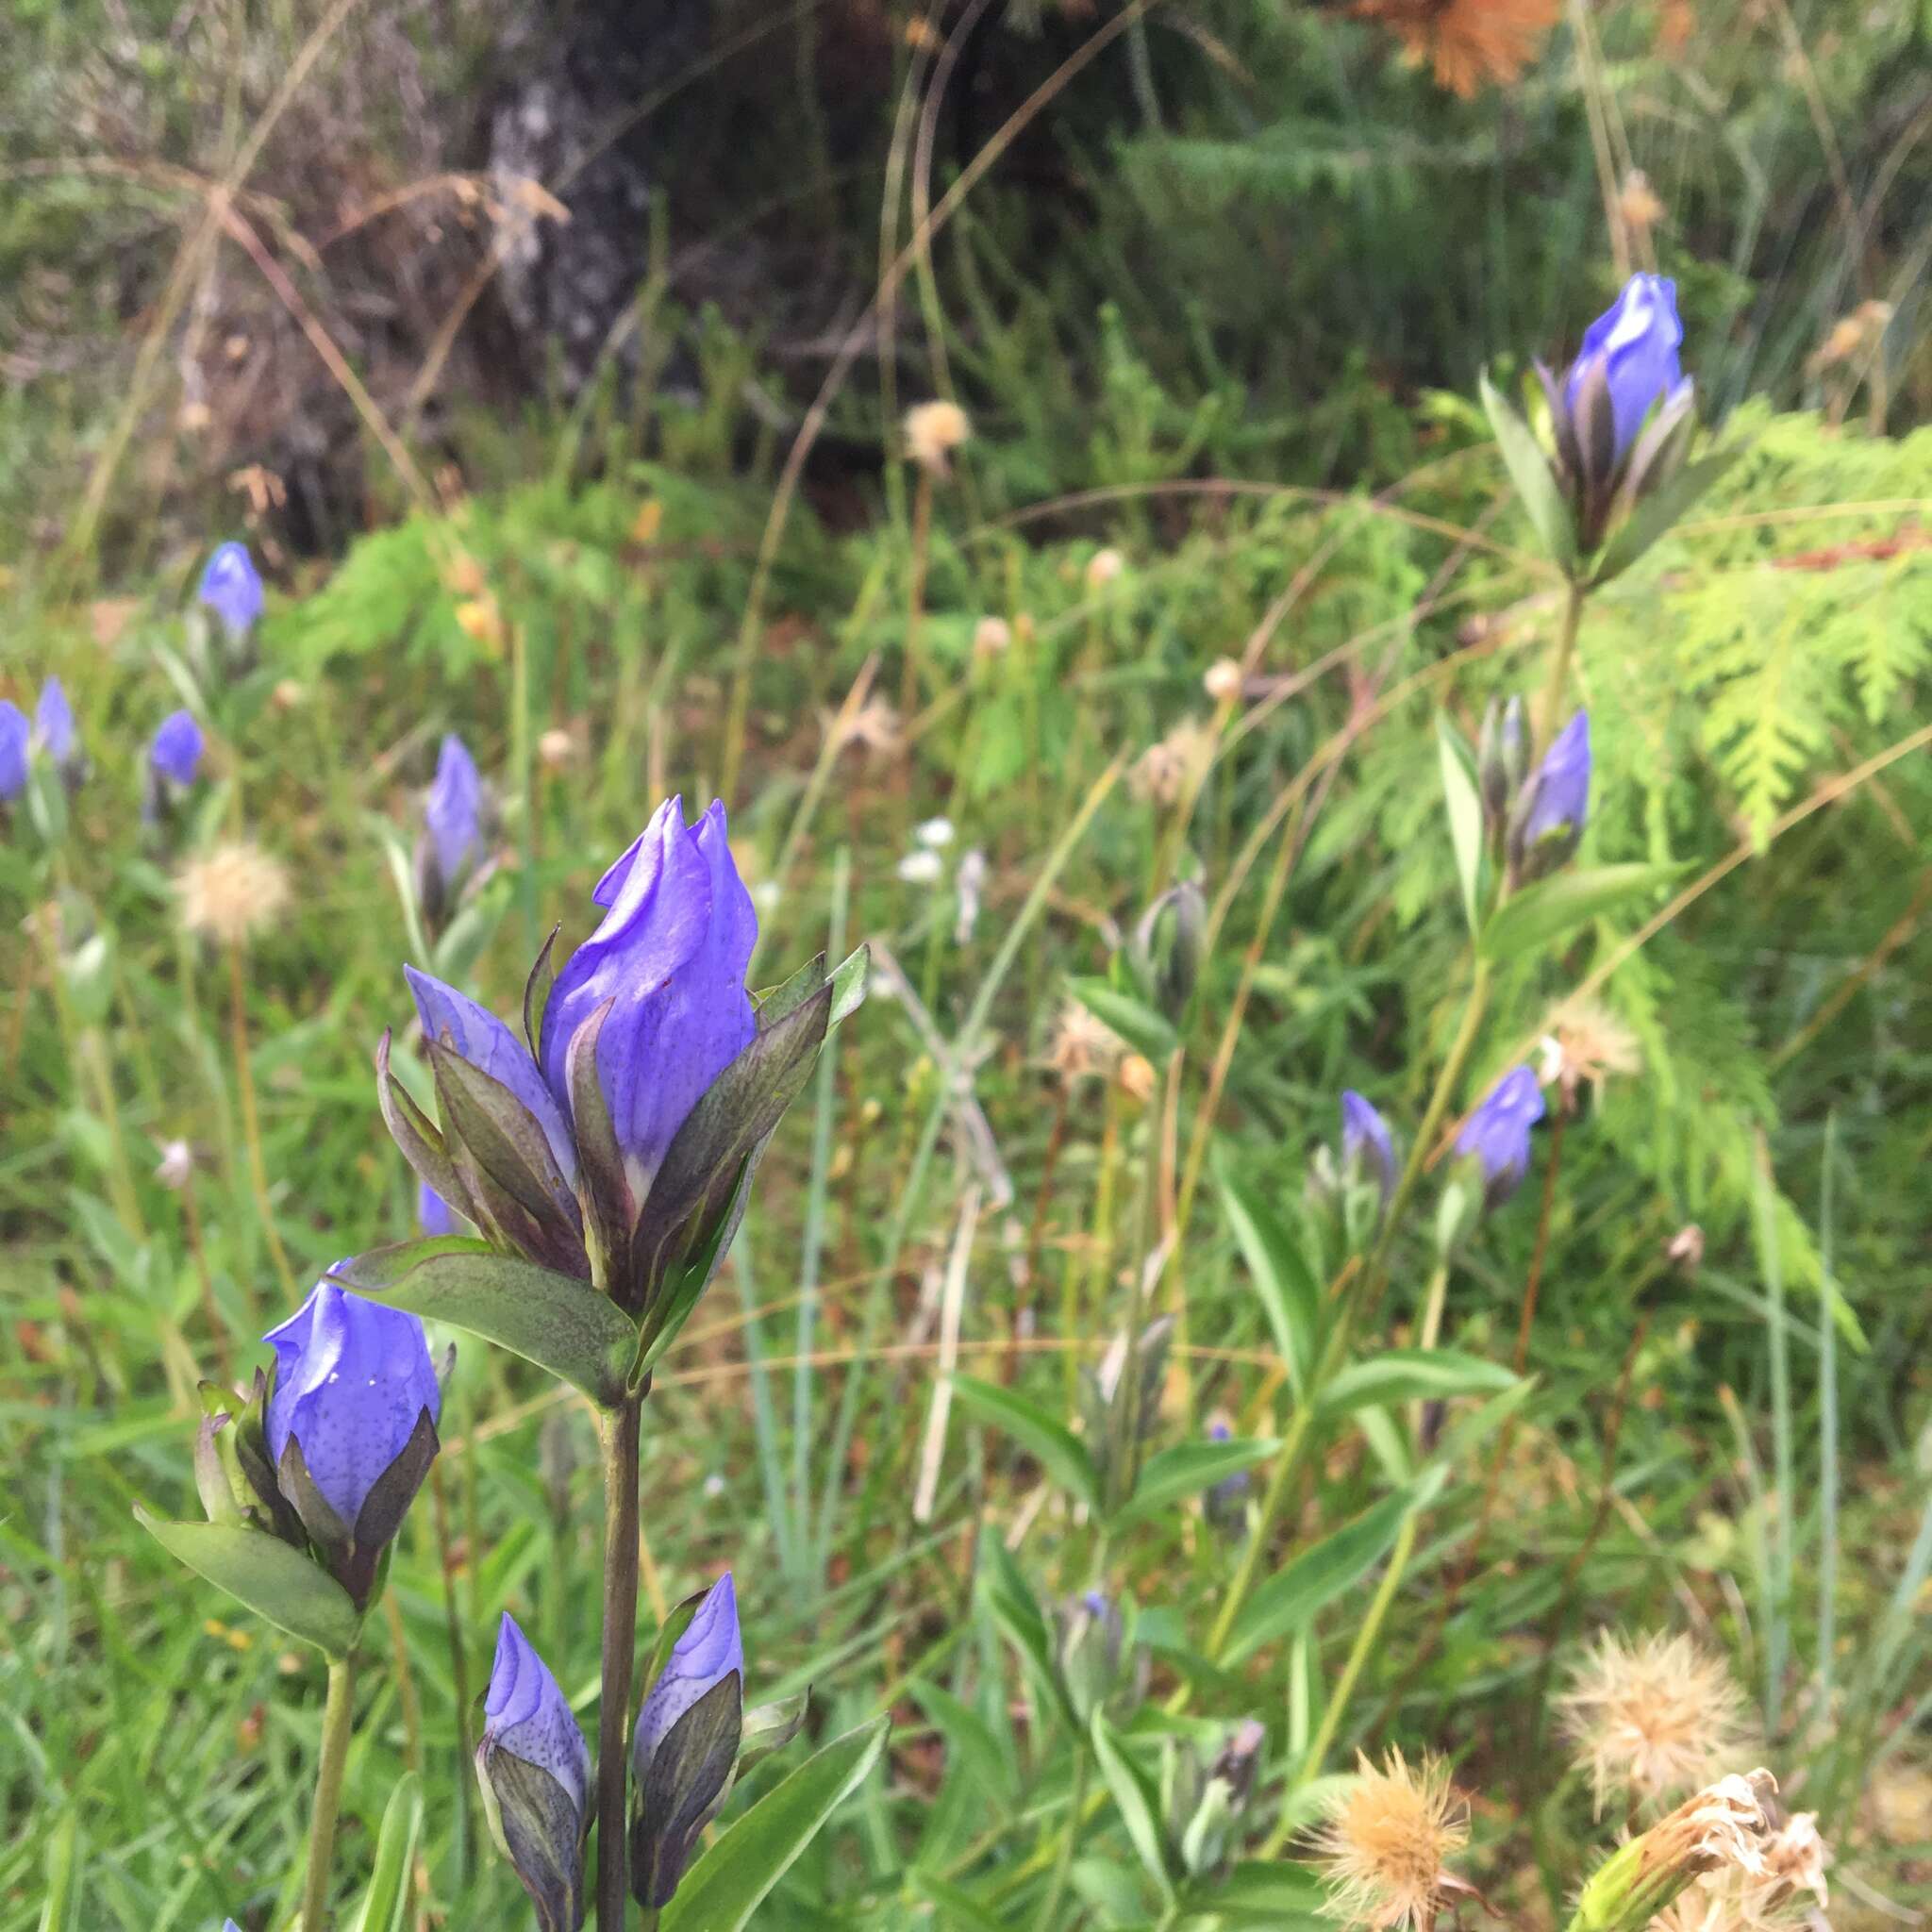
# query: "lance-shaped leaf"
1659,512
1184,1471
731,1881
1554,908
560,1323
1529,470
263,1573
1137,1797
1056,1449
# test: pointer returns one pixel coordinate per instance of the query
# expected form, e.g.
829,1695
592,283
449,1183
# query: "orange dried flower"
1466,42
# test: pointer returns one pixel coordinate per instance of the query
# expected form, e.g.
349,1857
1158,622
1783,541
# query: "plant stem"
1560,661
251,1119
1063,1862
617,1432
337,1713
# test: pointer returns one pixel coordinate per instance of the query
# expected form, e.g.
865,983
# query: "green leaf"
273,1578
728,1883
1259,1895
848,986
1291,1296
1465,801
386,1902
1656,514
971,1741
1138,1800
1555,906
553,1319
1412,1374
1529,469
1137,1023
1056,1449
1016,1610
1185,1470
1291,1597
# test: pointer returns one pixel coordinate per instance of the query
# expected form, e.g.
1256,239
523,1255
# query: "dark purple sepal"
608,1207
532,1818
417,1137
536,984
508,1171
683,1786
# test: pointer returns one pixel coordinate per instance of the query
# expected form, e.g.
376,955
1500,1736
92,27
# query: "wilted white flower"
933,431
1222,680
968,882
176,1165
1651,1717
233,892
935,833
920,868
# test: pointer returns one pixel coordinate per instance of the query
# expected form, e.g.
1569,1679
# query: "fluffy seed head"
1102,567
1083,1045
233,892
991,636
1651,1717
933,431
1585,1046
1386,1839
1222,680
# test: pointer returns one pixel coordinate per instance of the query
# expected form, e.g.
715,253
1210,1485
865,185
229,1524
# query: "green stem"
337,1713
1561,659
617,1430
1063,1862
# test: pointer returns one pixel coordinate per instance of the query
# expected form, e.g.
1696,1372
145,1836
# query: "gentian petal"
487,1043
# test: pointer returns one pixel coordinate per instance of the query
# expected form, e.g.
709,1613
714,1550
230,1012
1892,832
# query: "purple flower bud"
708,1653
352,1380
525,1714
54,720
481,1038
175,754
1496,1135
434,1213
14,733
1636,340
231,588
454,811
1365,1140
1558,801
671,955
1226,1501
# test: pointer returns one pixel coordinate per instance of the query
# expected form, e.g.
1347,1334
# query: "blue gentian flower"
538,1820
353,1382
231,588
175,753
434,1213
1365,1142
15,735
454,811
526,1715
1547,825
710,1650
54,720
1496,1135
670,960
1636,340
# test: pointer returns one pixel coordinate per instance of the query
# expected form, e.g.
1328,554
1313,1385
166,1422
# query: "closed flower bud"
452,840
231,589
1726,1827
1502,758
15,737
1496,1138
535,1770
614,1140
55,727
350,1426
1088,1653
1225,1504
1167,946
1634,345
1203,1802
686,1745
1547,823
1368,1153
175,753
